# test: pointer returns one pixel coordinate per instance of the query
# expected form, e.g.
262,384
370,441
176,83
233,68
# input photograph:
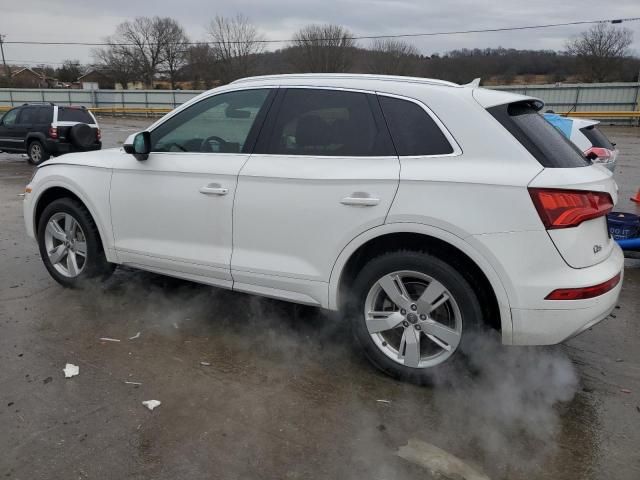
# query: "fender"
67,183
35,135
454,240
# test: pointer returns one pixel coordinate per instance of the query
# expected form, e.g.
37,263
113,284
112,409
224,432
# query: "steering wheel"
205,146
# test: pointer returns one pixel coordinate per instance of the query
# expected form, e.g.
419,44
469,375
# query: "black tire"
82,135
465,297
36,152
95,264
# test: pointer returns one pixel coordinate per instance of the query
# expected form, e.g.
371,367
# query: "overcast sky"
92,20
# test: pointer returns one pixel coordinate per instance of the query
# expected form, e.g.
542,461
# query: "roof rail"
361,76
38,103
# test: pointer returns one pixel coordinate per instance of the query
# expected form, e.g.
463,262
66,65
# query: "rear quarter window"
550,147
44,115
66,114
596,137
413,131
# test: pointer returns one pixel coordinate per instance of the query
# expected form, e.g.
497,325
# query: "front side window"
218,124
328,123
9,118
413,131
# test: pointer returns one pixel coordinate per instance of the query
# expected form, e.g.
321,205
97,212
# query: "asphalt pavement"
252,388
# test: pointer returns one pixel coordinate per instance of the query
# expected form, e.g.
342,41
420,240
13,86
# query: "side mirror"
139,145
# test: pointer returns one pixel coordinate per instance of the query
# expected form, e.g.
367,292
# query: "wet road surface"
286,395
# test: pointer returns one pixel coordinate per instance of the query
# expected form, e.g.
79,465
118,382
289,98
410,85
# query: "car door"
324,170
8,140
172,212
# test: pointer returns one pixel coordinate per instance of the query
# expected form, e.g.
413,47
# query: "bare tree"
145,38
235,43
393,57
174,47
201,66
69,71
118,63
601,50
322,48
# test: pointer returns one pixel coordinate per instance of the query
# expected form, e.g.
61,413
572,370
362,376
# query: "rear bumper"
571,317
548,327
531,268
55,147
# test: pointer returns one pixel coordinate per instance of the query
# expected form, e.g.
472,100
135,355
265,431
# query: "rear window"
539,137
67,114
413,131
596,137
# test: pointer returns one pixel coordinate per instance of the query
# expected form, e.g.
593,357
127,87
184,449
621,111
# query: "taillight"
53,132
559,208
584,292
599,153
98,134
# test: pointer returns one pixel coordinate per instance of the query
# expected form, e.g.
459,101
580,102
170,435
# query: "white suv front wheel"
411,314
70,245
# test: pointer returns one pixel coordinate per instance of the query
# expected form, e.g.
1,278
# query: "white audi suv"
421,209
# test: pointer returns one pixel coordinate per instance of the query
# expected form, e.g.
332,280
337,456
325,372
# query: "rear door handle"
361,199
214,189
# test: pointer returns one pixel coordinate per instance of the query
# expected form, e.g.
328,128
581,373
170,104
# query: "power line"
361,37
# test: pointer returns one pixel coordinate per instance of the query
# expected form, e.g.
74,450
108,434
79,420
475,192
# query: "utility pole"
7,70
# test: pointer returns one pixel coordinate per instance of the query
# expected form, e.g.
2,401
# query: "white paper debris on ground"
107,339
132,383
151,404
205,364
383,401
71,370
137,335
438,462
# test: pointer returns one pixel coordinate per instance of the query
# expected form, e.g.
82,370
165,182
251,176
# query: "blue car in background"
586,135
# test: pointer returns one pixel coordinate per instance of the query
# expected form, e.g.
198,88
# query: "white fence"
583,97
98,98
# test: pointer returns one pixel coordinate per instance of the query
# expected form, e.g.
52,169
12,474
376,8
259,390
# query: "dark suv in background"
43,130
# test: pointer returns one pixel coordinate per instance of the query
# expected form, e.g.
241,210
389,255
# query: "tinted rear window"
413,131
44,115
320,122
596,137
539,137
73,115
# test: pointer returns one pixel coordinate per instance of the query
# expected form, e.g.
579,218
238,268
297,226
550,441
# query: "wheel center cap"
412,317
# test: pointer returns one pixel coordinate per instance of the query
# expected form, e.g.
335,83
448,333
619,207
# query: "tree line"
147,49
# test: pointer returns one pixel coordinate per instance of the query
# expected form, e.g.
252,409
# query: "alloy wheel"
66,244
36,152
413,319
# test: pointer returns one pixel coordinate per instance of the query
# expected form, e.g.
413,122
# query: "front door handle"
361,199
214,189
